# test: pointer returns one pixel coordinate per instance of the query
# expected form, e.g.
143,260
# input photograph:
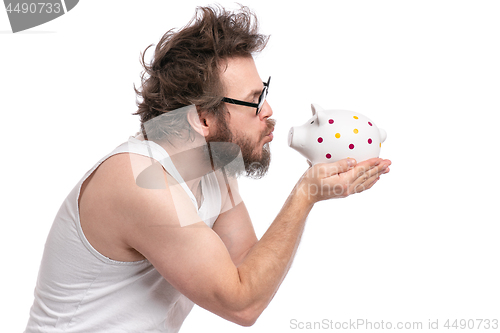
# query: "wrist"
302,194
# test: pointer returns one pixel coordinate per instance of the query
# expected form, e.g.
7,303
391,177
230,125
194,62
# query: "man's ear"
201,121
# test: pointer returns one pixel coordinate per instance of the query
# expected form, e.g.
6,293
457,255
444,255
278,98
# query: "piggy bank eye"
312,122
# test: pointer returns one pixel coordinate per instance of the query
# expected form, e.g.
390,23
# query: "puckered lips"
270,135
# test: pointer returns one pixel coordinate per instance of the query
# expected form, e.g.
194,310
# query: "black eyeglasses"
262,99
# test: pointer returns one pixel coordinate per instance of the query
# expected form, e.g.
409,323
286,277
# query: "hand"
340,179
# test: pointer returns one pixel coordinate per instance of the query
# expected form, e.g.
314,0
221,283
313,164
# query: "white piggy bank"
332,135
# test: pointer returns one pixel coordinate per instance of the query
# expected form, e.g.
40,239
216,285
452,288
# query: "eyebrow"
253,93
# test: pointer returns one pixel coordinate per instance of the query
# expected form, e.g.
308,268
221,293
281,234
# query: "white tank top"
80,290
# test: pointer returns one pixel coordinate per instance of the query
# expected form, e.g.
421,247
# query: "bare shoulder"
113,183
113,203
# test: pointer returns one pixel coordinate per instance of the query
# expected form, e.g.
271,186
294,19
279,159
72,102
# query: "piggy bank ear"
316,108
319,113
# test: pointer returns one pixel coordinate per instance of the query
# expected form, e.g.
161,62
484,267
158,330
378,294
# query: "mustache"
271,123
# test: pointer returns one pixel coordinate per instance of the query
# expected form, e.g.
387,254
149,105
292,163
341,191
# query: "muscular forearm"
267,263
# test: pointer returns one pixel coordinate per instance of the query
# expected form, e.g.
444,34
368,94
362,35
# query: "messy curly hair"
186,66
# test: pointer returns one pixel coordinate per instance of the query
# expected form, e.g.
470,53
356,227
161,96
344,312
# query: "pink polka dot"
320,139
330,121
370,124
370,141
351,146
328,156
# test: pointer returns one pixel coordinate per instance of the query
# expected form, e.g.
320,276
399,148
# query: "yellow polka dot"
355,131
380,145
355,117
337,135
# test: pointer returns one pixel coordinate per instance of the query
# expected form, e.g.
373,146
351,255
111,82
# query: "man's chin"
258,167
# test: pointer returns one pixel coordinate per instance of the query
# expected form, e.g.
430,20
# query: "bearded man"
158,224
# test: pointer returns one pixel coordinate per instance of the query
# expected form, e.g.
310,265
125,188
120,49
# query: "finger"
364,171
360,186
364,178
374,181
366,185
368,164
367,176
340,166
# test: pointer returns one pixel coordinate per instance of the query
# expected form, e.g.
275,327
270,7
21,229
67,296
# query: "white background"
422,244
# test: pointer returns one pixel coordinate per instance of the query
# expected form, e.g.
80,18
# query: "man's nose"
266,111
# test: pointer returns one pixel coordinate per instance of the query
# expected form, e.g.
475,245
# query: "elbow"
246,315
242,307
246,318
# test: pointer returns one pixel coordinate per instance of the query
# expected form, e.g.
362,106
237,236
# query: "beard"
224,148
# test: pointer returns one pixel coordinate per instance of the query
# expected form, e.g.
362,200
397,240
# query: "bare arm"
235,229
195,260
269,260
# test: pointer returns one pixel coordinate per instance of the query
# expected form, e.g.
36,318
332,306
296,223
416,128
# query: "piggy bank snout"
290,137
297,139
